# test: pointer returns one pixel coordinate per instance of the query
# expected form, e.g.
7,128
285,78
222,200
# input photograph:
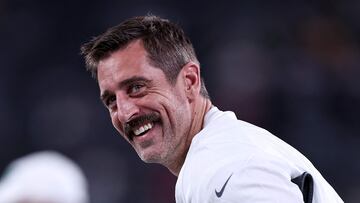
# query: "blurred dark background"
291,67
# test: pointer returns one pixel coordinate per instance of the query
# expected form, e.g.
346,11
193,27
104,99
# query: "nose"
127,108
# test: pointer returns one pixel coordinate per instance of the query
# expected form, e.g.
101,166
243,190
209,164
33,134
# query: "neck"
200,108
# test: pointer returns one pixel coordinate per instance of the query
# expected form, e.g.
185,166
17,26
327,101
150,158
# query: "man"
150,81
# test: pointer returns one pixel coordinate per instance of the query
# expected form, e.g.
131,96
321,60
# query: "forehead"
128,57
125,63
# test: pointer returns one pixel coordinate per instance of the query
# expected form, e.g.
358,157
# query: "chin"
151,157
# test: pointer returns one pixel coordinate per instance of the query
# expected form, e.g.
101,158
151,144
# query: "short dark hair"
167,45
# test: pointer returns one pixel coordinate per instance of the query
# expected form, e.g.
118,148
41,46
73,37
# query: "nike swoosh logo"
220,193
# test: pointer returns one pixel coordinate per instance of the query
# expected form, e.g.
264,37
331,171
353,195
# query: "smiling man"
149,80
153,114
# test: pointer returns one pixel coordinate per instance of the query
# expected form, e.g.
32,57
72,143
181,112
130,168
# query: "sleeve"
260,180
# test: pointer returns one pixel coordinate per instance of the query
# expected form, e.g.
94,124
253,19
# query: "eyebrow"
123,84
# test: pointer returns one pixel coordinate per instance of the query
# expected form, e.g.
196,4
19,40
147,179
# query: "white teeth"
136,132
142,129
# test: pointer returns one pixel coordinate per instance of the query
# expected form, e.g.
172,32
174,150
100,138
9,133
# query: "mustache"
140,120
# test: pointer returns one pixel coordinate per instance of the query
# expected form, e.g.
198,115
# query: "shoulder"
248,171
253,180
259,178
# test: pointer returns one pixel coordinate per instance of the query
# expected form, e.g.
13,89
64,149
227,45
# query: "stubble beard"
161,154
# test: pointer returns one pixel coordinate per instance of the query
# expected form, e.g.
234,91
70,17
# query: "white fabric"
261,165
43,177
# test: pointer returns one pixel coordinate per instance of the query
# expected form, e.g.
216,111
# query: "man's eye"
110,101
135,89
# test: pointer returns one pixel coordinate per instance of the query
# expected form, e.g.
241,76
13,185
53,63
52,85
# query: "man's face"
153,115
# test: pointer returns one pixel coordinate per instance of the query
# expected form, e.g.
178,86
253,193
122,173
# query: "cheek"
180,113
116,123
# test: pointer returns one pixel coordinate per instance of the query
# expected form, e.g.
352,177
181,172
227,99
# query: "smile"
140,125
142,129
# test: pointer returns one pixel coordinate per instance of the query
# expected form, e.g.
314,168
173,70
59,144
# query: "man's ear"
191,76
